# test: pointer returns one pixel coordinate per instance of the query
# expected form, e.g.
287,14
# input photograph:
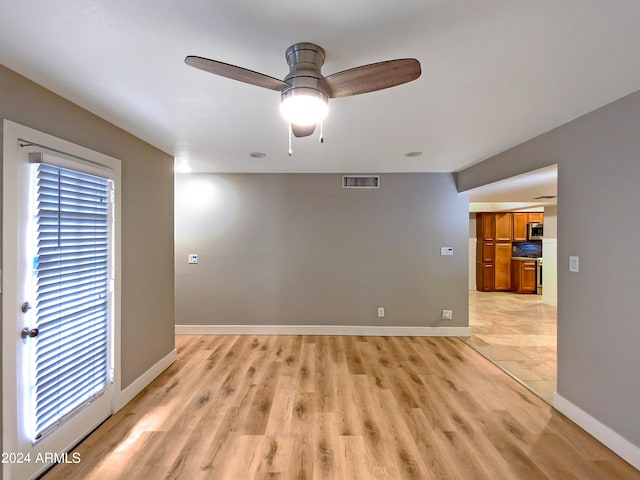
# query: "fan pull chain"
321,131
290,130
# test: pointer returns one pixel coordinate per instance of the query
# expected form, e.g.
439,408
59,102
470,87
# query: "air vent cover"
361,181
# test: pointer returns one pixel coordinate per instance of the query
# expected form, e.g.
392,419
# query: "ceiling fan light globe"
304,107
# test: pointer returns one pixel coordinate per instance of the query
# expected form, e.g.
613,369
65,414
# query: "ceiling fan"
305,92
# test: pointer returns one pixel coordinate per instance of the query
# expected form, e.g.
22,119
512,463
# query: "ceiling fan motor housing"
305,61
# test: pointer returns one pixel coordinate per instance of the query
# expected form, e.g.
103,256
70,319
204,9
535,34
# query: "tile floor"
517,333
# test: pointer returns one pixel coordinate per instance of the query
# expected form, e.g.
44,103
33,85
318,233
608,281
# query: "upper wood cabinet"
520,220
494,226
503,223
505,226
535,217
485,226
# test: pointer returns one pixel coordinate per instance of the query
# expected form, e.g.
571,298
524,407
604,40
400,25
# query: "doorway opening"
61,295
514,330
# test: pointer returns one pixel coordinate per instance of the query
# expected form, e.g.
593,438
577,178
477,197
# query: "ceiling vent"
361,181
545,197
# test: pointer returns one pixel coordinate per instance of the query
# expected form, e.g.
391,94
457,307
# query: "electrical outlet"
447,314
380,312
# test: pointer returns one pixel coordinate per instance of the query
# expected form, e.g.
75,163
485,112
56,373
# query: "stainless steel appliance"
534,231
539,276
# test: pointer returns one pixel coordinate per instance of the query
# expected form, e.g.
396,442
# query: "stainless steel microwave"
534,231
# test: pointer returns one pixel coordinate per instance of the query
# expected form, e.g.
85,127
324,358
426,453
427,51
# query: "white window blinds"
71,273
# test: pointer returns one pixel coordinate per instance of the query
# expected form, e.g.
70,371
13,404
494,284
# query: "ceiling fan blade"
236,73
372,77
302,131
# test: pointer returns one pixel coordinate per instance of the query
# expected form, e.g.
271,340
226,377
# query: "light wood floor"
293,407
517,333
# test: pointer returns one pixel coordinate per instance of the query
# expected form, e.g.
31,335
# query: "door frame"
12,214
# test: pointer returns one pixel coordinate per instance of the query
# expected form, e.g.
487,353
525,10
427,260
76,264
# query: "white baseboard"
126,395
620,445
322,330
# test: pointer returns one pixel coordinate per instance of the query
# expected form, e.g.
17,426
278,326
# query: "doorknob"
29,332
26,306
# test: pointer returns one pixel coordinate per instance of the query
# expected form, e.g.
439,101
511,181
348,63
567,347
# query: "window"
71,282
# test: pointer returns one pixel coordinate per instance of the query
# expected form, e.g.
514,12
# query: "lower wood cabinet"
503,266
523,276
485,277
520,220
493,268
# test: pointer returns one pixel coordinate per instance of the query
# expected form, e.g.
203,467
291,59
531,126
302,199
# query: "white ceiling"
495,73
531,190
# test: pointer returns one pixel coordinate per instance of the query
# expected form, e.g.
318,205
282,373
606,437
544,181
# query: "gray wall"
598,157
147,214
551,222
296,249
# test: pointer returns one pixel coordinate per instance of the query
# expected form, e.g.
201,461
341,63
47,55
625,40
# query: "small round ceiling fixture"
413,154
257,155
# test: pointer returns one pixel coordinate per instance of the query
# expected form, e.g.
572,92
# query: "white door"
58,285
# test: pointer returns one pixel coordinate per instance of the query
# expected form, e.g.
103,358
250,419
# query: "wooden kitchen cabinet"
523,276
536,217
502,267
485,277
503,227
493,251
485,226
494,226
520,220
485,252
495,233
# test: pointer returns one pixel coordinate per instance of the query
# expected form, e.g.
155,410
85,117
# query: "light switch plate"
446,250
574,263
192,258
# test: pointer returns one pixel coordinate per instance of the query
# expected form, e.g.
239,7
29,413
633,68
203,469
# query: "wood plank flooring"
329,407
517,333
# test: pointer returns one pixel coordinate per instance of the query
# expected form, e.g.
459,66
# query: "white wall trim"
472,263
366,330
125,396
550,271
620,445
